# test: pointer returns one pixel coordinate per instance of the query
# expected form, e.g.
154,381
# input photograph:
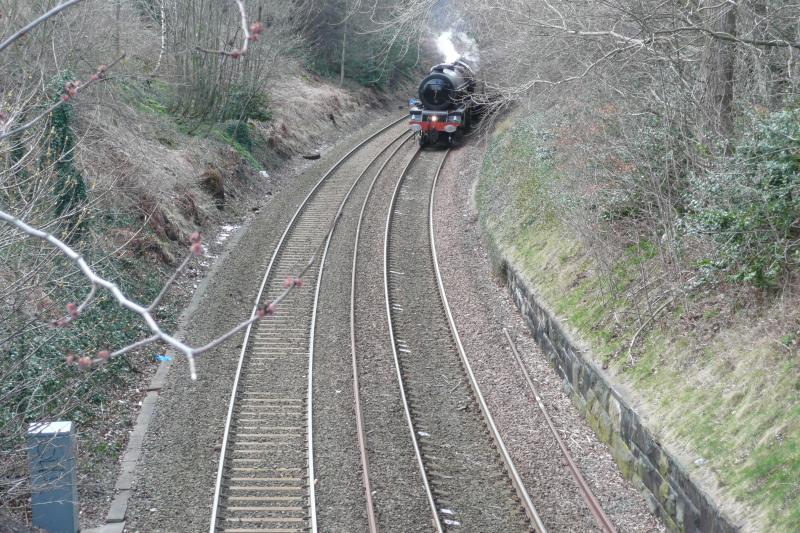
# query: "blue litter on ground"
162,357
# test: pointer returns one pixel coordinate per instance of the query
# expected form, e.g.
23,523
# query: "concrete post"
54,488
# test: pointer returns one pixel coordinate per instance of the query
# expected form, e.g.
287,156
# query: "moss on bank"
727,402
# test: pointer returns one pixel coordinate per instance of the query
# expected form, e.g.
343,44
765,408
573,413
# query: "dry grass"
309,112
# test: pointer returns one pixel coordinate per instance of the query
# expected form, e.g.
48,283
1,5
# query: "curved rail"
583,487
525,499
370,508
437,522
240,364
312,503
362,438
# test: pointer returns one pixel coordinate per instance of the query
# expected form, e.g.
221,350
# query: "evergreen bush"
69,187
750,207
243,105
239,131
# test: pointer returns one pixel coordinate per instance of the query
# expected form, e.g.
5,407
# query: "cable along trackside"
265,473
472,483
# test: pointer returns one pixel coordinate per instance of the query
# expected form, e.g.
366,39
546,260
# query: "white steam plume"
458,45
447,47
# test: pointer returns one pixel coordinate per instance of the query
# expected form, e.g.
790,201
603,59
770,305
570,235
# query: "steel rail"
362,437
583,487
323,259
515,477
315,305
437,522
245,342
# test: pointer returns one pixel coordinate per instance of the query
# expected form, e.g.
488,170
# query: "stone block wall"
671,494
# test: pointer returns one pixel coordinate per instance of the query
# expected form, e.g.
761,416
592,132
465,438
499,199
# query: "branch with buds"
251,34
74,311
71,90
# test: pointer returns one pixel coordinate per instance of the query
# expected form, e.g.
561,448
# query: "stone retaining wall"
670,492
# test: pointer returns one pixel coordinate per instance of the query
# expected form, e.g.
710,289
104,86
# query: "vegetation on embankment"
712,364
173,137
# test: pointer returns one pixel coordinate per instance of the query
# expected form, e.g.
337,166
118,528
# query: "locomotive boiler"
444,109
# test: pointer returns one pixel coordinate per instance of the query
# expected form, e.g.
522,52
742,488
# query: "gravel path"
481,309
178,467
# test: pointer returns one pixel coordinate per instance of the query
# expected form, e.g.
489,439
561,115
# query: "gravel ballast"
340,491
481,309
399,499
471,489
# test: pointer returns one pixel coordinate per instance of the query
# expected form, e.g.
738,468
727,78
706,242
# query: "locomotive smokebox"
447,84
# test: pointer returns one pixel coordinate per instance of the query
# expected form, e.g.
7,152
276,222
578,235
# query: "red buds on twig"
264,310
70,90
196,248
292,282
99,74
256,28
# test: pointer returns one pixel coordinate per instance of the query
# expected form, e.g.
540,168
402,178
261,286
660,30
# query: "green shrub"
750,208
239,131
245,104
69,187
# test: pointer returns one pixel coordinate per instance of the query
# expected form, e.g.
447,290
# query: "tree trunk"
718,76
344,47
117,9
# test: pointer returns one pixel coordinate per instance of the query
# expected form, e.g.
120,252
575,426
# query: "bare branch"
251,33
144,312
50,14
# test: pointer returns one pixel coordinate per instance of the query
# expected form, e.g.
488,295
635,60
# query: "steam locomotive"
444,109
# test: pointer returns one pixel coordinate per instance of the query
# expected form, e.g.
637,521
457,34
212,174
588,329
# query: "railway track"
266,475
470,479
602,520
266,466
372,520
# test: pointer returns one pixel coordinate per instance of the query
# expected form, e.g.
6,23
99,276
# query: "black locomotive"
445,108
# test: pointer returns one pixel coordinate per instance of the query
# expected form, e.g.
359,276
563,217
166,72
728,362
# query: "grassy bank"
718,380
